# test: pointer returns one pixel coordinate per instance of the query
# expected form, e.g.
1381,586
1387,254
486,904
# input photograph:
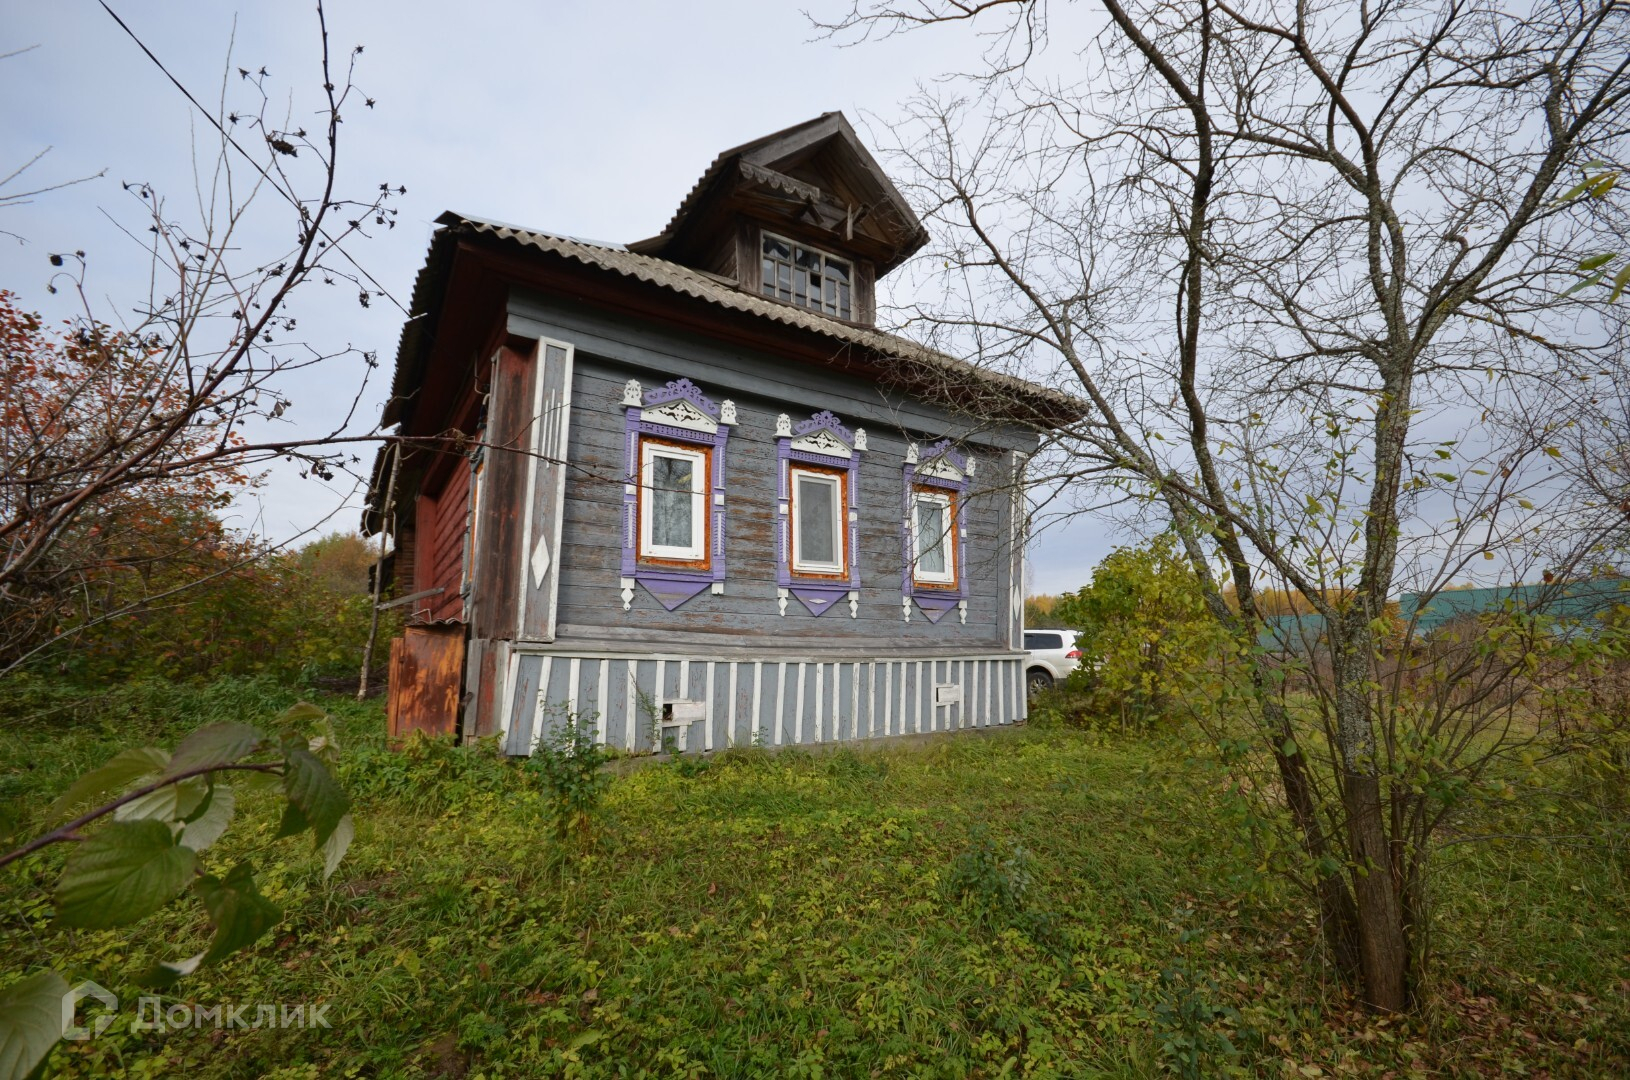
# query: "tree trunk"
1383,944
1338,917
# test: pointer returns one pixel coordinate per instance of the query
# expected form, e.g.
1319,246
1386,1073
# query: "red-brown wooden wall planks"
441,520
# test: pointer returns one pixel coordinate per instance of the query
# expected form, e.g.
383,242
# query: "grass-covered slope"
796,915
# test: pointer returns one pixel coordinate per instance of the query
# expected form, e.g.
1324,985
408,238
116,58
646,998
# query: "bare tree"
1306,266
166,410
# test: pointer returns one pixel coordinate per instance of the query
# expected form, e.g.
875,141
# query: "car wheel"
1037,681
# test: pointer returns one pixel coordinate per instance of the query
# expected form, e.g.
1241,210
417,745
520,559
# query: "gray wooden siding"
778,701
590,603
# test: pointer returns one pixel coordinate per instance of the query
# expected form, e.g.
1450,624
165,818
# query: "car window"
1035,641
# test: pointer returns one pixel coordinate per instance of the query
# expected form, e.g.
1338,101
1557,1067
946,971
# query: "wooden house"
685,488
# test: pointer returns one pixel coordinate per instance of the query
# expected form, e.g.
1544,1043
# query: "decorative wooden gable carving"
815,183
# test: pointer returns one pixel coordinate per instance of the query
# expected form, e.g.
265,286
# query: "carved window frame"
938,470
681,415
821,444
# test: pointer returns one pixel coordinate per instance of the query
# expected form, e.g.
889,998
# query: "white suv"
1052,655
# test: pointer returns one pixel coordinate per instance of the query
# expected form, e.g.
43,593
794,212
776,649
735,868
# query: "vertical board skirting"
630,686
813,732
798,716
540,703
758,697
775,738
602,707
767,702
572,699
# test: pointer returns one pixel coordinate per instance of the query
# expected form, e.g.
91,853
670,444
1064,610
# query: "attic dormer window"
807,277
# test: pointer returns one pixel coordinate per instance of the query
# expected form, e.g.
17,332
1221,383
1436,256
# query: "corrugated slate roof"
714,289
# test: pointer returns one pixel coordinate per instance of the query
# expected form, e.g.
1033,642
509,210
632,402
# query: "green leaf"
1597,260
123,873
172,802
1585,284
216,744
298,713
293,822
336,846
1620,280
308,786
30,1022
1553,451
240,914
1289,748
119,773
210,822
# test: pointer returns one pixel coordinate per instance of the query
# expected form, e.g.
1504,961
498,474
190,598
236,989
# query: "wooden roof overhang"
461,296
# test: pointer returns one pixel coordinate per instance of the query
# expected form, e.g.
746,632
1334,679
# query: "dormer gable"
805,216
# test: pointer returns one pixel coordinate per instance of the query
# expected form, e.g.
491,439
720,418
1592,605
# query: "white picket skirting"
642,702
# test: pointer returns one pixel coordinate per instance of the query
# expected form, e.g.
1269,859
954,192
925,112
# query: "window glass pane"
831,303
815,499
837,270
843,302
930,537
768,281
671,501
808,289
776,248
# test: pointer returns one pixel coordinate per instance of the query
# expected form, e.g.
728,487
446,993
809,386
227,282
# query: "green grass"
788,916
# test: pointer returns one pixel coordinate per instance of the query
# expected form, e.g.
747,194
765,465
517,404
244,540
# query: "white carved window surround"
673,512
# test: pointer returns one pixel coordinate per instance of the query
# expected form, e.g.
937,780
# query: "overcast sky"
589,120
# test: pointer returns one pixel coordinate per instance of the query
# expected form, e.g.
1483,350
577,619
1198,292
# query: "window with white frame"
817,522
807,276
933,515
673,502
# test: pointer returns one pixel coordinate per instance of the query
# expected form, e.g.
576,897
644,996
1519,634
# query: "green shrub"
1148,636
994,885
568,763
1189,1025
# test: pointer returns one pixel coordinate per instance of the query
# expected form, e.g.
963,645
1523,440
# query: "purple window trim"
672,587
934,602
817,595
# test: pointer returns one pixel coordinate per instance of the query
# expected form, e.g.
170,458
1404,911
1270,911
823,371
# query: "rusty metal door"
425,675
